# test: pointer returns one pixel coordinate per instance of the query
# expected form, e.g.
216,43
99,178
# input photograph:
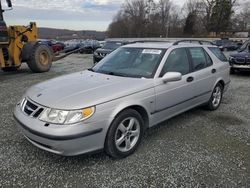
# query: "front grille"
248,60
31,109
240,60
102,54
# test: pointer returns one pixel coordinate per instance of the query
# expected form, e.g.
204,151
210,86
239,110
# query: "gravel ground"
195,149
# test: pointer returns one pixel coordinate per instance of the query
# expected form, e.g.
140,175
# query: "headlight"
66,117
95,53
231,58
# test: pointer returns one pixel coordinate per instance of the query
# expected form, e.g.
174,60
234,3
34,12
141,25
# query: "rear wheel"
216,98
40,59
124,134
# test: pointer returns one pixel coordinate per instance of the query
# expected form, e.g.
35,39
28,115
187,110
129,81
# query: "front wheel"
216,98
40,59
232,70
124,134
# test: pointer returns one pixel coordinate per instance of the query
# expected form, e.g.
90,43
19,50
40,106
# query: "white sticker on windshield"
151,51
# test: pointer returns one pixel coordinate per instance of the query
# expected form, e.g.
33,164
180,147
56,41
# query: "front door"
174,97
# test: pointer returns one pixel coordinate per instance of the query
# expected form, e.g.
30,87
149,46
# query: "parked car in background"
241,60
56,46
226,44
108,47
102,43
111,105
244,46
88,45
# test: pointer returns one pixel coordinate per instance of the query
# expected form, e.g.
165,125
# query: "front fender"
144,99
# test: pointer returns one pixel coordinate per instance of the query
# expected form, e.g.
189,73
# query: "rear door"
203,73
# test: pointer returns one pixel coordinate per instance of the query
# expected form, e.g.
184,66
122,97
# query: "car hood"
106,51
241,54
85,89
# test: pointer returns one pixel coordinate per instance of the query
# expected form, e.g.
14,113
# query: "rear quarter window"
218,54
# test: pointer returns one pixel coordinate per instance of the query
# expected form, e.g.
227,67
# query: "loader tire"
40,59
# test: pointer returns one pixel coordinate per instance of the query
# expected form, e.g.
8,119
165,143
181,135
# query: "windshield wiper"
92,70
116,74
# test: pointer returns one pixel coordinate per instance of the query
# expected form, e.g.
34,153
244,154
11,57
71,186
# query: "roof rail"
201,42
145,41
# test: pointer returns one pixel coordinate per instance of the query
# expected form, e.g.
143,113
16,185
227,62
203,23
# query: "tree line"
164,18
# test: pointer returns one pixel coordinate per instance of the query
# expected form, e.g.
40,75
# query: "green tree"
221,15
189,28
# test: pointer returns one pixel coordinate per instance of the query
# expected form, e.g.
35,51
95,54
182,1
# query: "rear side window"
209,60
199,58
218,54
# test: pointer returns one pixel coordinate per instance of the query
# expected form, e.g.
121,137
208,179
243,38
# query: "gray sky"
68,14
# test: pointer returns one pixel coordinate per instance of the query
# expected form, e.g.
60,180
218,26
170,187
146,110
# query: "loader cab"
4,36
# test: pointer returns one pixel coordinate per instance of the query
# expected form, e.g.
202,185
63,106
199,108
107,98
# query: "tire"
232,70
120,130
40,59
216,98
9,69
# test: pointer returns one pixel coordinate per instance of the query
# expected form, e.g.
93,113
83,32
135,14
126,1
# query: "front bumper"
67,140
240,66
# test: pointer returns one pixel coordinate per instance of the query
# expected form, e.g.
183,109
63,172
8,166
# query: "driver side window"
177,61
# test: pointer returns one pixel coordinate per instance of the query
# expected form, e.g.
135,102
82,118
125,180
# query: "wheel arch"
140,109
220,81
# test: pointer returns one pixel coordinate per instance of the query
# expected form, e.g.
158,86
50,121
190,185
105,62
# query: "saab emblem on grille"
28,108
39,95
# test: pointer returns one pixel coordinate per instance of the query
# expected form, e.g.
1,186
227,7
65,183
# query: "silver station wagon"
109,106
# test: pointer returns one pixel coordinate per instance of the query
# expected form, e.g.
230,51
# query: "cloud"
100,5
70,5
90,14
71,12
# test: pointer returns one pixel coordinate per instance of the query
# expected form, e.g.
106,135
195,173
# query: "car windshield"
244,46
112,45
131,62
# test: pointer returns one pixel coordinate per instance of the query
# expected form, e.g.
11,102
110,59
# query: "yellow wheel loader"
19,44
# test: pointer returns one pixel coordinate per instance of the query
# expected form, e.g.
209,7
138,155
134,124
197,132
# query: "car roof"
165,45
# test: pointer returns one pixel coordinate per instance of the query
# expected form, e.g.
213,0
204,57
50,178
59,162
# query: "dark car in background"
241,60
244,46
108,47
226,44
86,45
56,46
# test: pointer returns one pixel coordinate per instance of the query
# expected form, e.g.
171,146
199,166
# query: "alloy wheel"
127,134
217,95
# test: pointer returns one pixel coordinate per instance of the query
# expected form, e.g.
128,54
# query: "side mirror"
9,3
172,77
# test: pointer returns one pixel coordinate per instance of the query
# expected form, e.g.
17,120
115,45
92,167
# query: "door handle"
190,79
213,71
